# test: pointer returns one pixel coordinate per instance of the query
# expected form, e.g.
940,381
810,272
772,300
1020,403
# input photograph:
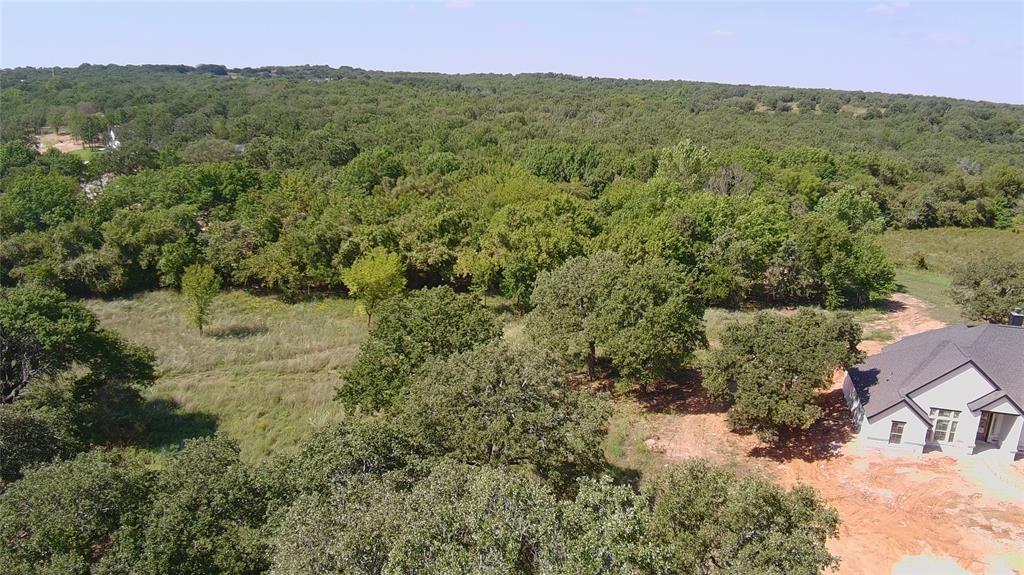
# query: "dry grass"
264,373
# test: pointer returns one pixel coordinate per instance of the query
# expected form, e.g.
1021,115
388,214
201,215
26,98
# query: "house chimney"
1017,317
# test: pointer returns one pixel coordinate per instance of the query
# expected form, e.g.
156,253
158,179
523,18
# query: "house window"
896,432
944,424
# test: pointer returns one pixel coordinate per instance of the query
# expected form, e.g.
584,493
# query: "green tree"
42,334
565,301
358,445
36,202
458,519
772,367
373,279
498,405
28,438
206,516
840,267
64,514
989,287
410,331
707,520
199,286
524,238
643,317
651,323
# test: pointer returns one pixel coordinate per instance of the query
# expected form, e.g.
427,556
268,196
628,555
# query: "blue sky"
967,50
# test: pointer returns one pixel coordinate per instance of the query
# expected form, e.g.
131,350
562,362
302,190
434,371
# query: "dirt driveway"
900,513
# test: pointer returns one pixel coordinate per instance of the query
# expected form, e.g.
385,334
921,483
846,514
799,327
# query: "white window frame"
899,435
947,420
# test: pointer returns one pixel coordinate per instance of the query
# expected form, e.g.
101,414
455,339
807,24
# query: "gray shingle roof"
885,379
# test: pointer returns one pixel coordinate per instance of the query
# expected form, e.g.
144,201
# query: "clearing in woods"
899,513
63,143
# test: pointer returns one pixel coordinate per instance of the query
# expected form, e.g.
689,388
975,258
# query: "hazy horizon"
958,50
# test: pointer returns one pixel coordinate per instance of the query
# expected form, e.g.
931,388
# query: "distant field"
264,374
943,249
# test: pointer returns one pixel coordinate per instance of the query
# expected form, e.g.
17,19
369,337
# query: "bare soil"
897,511
63,143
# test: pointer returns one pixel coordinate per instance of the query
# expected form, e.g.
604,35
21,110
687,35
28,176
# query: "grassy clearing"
625,446
943,250
85,154
933,288
264,374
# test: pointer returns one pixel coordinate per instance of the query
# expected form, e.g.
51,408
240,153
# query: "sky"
960,49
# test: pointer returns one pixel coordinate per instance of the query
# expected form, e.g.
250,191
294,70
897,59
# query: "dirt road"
900,514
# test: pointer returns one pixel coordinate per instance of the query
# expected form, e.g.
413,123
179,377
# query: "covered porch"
998,431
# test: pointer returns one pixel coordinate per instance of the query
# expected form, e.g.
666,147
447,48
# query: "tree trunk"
592,361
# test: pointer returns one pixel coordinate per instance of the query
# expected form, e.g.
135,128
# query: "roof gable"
888,378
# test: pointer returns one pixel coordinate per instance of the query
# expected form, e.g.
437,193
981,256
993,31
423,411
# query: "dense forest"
608,213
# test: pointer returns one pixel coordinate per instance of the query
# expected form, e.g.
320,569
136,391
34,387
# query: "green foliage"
199,286
205,517
651,322
692,518
36,202
771,367
566,301
411,330
828,263
854,208
989,287
70,382
500,406
65,513
43,334
524,239
707,520
375,278
459,519
643,317
348,449
27,439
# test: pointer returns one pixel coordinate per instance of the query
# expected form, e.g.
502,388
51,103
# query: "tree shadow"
888,306
237,331
167,426
682,394
823,440
623,475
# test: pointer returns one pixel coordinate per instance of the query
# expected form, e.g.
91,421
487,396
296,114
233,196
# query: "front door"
983,426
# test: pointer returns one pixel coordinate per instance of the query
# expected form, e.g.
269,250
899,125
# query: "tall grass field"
264,373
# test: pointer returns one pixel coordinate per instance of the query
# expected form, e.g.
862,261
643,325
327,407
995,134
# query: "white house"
958,389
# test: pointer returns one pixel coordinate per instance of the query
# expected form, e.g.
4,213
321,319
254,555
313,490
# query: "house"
958,389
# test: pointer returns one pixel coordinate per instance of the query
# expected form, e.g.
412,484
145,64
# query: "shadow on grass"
167,426
888,306
237,331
